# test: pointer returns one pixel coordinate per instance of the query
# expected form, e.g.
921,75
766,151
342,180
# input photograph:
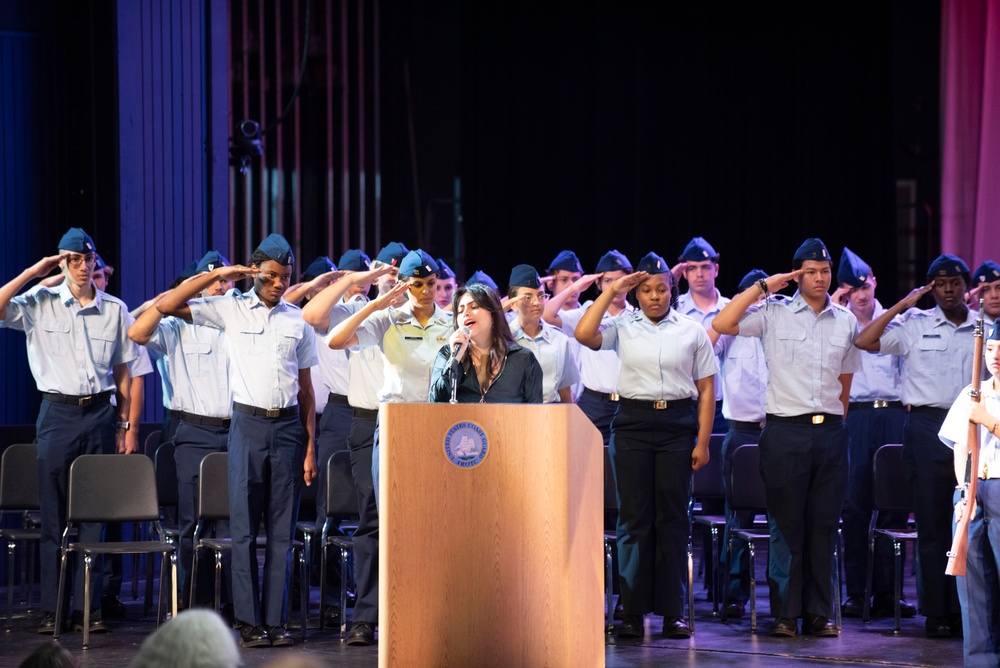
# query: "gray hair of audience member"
50,655
194,638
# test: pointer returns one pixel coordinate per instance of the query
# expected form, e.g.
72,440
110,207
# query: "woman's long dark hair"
488,299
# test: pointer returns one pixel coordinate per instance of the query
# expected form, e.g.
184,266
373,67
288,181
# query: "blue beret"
613,261
987,272
566,261
524,276
812,249
211,260
482,277
946,266
418,264
100,263
77,241
444,271
277,248
355,260
392,254
993,332
853,271
653,264
320,266
751,278
698,250
189,270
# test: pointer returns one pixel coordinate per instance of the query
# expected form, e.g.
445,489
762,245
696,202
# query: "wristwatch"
123,425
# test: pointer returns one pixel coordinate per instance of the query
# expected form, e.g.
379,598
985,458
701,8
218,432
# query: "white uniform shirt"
955,429
744,378
197,367
687,306
881,374
266,346
598,368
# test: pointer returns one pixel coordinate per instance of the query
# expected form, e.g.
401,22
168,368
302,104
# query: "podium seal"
466,445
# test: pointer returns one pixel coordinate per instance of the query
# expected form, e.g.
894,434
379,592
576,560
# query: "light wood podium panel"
496,565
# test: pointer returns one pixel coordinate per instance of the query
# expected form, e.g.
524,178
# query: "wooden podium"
495,563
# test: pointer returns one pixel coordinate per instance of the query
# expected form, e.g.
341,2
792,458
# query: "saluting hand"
840,295
585,281
365,278
678,270
910,300
626,283
780,281
235,272
45,266
395,295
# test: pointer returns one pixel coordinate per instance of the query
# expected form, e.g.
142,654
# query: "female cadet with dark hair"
491,367
659,434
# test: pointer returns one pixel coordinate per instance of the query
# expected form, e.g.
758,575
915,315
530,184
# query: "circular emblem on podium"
466,445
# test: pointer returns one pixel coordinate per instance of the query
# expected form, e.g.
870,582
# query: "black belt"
603,396
939,413
203,420
748,426
364,413
270,413
171,413
89,400
810,418
661,405
876,403
337,399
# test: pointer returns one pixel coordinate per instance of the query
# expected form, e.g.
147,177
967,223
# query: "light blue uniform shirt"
409,350
197,367
72,349
266,347
686,305
366,369
744,378
806,354
880,376
955,428
598,368
937,356
659,360
556,356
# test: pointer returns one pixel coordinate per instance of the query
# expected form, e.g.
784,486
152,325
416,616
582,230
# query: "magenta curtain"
970,134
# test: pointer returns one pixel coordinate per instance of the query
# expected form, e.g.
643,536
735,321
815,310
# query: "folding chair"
341,504
746,492
130,496
213,504
149,448
166,491
18,491
706,483
891,492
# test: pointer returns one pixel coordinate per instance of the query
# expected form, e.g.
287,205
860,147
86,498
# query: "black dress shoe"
112,608
735,610
632,627
819,626
937,627
96,623
676,628
783,627
883,606
48,625
619,612
854,606
279,636
361,633
331,615
254,636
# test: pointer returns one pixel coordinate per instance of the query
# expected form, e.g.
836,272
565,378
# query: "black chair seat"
20,534
124,547
897,535
341,506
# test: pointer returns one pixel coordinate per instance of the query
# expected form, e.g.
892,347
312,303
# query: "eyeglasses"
77,260
539,298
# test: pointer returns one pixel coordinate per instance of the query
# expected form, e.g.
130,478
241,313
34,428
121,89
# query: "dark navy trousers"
265,482
737,565
868,429
651,458
804,468
361,441
601,412
64,433
192,443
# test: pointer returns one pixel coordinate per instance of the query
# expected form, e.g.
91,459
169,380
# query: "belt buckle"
880,403
659,405
272,413
613,396
85,401
818,419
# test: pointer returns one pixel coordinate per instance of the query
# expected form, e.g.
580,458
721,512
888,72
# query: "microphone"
458,346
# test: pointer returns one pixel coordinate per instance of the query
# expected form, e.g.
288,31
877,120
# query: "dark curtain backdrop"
636,127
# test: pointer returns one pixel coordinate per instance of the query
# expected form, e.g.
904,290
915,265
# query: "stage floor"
713,643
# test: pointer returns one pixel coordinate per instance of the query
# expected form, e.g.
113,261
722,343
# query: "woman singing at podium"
482,363
660,432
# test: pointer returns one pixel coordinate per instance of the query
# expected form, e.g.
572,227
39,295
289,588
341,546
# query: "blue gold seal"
466,445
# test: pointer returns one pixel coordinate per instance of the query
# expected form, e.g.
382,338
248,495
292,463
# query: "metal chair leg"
59,596
896,545
343,593
218,582
10,582
690,583
751,549
87,563
609,589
